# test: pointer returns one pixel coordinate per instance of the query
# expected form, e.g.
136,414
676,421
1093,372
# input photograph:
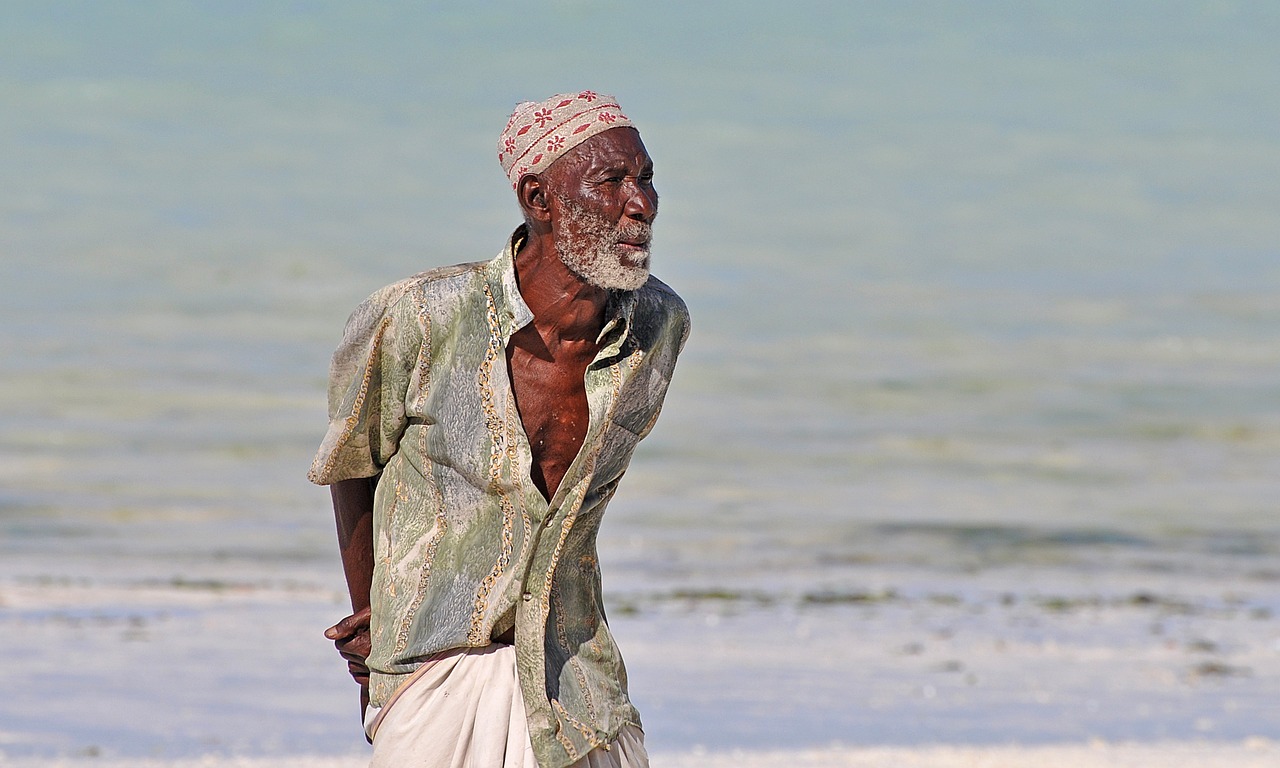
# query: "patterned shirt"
465,545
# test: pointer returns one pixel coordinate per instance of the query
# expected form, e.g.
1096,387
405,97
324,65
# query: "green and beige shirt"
465,546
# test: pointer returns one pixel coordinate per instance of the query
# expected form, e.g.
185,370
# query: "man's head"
590,187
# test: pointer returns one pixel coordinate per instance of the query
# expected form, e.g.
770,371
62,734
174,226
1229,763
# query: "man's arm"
353,511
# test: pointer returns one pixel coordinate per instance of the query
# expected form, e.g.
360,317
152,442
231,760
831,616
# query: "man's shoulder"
467,270
656,298
459,275
456,277
401,302
660,314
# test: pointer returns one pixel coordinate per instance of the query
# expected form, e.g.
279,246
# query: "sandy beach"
1256,753
1177,676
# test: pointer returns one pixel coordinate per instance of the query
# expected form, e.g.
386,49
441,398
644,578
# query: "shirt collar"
514,313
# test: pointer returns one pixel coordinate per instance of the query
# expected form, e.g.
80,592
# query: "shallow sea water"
985,299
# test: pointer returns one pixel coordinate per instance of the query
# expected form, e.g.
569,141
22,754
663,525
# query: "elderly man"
481,417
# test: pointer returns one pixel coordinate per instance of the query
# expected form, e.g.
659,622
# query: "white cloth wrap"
464,709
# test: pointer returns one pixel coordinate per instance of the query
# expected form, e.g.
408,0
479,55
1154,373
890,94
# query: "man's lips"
633,235
633,238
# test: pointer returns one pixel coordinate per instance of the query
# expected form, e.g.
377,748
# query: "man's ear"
533,196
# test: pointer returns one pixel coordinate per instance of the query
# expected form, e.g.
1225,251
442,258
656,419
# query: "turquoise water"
974,286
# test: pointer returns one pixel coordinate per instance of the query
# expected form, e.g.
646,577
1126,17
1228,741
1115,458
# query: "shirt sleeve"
369,380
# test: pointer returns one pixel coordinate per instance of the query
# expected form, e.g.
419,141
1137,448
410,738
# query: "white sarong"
464,709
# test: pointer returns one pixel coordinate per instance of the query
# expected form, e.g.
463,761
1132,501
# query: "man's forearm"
353,511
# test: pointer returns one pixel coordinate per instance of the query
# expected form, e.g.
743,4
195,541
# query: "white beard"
590,246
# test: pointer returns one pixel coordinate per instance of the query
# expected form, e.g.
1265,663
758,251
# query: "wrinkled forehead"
616,147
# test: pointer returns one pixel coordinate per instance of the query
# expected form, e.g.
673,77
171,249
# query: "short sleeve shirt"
465,546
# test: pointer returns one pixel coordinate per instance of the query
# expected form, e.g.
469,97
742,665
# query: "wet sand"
1253,753
219,672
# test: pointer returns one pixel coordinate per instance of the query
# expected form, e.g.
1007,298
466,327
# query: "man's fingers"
357,643
353,649
359,654
351,625
351,637
342,629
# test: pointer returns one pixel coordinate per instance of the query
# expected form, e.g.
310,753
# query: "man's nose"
642,202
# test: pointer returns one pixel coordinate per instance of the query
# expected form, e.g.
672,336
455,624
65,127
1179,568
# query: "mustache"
633,232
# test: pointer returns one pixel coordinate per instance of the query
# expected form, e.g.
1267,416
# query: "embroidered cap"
539,132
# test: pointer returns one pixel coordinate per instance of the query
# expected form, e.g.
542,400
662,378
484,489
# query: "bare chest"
551,398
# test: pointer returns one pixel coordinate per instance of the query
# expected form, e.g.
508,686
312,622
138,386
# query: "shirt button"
526,596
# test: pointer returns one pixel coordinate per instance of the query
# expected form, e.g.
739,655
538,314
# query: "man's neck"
561,302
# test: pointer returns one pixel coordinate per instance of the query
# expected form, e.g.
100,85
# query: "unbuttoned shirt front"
465,545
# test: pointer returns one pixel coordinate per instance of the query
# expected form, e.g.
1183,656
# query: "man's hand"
351,637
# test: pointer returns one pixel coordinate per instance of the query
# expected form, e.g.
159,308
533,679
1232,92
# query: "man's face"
603,204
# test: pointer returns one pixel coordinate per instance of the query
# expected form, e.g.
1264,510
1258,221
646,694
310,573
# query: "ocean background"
976,440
